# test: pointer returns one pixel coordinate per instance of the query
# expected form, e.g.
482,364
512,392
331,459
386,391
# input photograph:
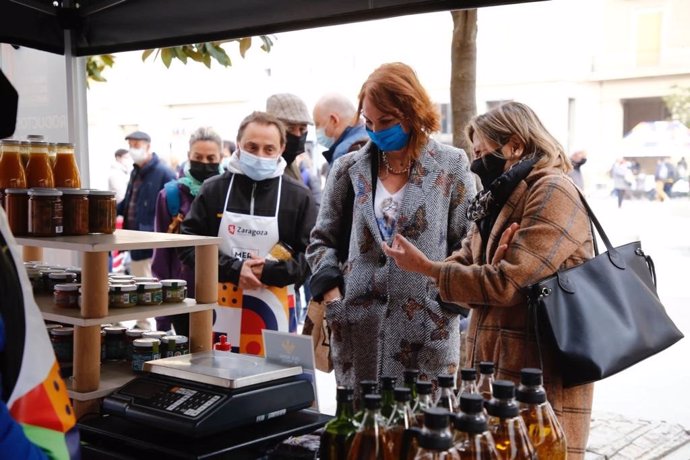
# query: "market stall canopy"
657,139
107,26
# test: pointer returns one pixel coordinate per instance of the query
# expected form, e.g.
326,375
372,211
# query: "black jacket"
296,218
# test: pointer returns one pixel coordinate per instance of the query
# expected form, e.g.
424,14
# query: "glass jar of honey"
39,173
17,208
102,211
12,173
45,212
52,153
65,169
75,211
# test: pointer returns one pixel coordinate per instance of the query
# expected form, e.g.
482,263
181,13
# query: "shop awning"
657,139
107,26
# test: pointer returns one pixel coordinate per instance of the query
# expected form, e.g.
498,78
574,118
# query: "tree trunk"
463,79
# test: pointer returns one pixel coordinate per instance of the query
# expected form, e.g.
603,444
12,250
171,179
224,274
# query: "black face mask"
294,145
202,171
489,167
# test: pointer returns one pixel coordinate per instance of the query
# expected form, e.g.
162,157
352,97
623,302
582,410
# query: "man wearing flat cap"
292,111
139,205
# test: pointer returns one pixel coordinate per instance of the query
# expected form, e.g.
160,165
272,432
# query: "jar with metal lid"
144,349
65,169
102,211
112,277
66,295
39,172
45,286
17,208
115,343
122,295
62,339
153,335
45,212
61,277
132,335
76,271
75,211
145,279
150,293
174,345
174,291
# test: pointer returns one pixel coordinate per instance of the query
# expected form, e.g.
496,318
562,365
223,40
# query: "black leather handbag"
604,315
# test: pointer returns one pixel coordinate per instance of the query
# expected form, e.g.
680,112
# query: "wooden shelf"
121,240
113,376
115,315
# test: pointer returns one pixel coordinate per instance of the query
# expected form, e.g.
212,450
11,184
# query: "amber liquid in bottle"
506,425
65,170
369,441
38,171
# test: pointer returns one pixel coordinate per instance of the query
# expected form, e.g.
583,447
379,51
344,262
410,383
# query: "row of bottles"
392,425
28,165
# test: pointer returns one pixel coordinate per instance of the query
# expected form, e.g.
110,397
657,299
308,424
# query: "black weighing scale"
203,405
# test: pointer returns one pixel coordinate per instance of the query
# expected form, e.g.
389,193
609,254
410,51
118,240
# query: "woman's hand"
504,242
408,257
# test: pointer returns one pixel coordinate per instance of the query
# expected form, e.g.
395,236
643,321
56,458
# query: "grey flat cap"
288,107
138,136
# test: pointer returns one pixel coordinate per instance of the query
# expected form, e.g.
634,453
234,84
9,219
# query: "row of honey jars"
38,171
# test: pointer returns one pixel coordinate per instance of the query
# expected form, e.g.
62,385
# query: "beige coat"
554,234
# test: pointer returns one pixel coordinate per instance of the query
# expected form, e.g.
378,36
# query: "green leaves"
95,65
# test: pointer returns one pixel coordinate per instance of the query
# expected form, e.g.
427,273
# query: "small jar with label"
45,212
75,211
144,349
174,345
66,295
150,293
122,295
174,291
17,208
62,339
46,287
132,335
102,211
61,277
115,343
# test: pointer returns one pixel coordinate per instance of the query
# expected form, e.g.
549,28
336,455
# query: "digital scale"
205,393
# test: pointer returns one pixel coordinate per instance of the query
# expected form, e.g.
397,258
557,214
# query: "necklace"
390,169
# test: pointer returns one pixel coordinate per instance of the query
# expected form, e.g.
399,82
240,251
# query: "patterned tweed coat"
554,233
389,319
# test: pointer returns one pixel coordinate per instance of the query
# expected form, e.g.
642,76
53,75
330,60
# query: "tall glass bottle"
410,381
424,400
387,395
543,427
472,438
506,425
400,420
486,379
39,173
434,441
338,433
12,173
65,169
366,387
446,397
468,381
369,442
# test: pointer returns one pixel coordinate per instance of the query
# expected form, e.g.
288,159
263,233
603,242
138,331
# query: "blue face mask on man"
390,139
323,139
257,168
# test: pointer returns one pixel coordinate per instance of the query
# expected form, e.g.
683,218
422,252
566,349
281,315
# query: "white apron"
243,314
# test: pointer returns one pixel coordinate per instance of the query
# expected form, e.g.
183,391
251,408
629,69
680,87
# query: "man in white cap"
292,111
338,125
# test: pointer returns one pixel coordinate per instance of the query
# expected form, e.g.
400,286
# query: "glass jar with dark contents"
45,212
62,339
75,211
145,349
115,343
102,211
17,207
66,295
174,345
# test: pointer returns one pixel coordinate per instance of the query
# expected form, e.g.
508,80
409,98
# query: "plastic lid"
468,373
368,387
486,367
115,330
62,275
388,382
424,387
114,276
101,192
16,191
372,401
135,332
65,144
410,376
67,287
73,191
344,394
48,271
73,269
445,381
471,403
173,283
10,142
531,376
223,345
503,389
122,287
436,418
154,334
474,423
402,394
40,191
147,286
62,331
144,279
174,338
147,342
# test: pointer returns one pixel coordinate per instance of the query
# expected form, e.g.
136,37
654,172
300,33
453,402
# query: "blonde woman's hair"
517,119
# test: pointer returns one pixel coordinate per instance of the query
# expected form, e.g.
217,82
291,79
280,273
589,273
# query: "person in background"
138,207
120,170
622,179
293,113
173,204
338,125
529,222
228,148
577,159
384,320
258,212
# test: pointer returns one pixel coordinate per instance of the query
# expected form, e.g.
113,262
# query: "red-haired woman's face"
375,119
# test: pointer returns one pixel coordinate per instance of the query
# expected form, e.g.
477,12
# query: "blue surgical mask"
390,139
324,140
257,168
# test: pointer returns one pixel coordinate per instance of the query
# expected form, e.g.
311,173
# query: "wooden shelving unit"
90,380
